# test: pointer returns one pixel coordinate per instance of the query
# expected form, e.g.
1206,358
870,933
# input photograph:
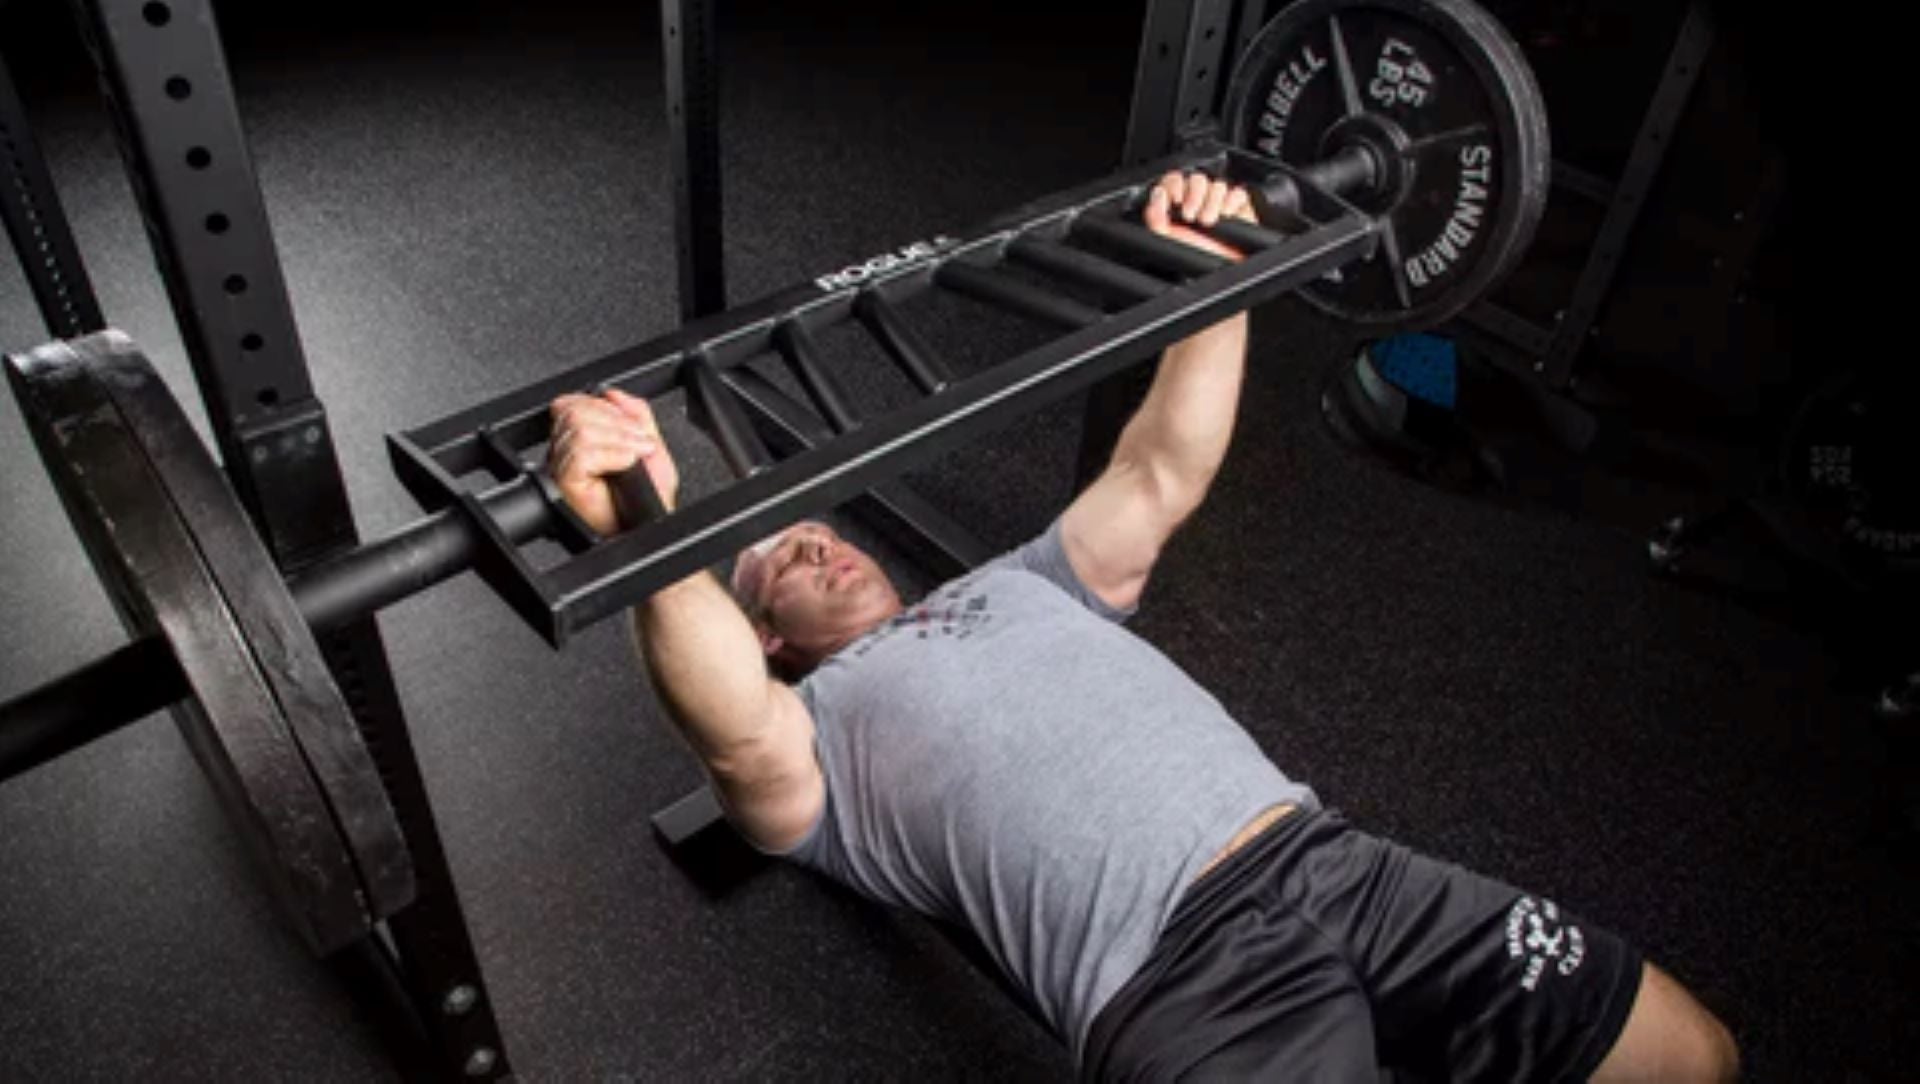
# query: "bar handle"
635,499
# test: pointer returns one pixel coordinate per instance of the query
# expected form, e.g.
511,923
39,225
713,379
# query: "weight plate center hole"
1367,161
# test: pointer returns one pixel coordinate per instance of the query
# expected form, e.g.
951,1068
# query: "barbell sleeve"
369,577
122,687
1348,169
1276,200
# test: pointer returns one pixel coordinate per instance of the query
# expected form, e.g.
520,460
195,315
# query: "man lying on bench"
1004,755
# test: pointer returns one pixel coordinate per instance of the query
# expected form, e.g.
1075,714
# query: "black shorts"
1318,952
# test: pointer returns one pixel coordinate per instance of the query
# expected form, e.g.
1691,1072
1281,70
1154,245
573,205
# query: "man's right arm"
751,732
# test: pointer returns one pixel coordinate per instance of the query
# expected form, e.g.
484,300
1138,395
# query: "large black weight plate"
270,622
1443,84
1850,459
160,582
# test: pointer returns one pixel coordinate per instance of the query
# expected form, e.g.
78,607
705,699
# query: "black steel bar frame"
38,227
164,74
1555,350
435,460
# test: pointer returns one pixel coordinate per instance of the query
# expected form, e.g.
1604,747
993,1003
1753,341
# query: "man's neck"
837,644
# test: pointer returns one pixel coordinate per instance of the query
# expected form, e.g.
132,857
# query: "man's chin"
867,605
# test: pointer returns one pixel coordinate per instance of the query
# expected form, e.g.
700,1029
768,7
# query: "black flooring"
468,201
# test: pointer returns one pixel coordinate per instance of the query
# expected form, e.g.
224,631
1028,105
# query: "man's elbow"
777,747
1175,490
741,764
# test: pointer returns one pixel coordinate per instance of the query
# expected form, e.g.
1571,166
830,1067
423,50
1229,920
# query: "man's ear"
770,641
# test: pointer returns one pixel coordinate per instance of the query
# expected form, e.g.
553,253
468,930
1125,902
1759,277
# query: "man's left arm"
1170,450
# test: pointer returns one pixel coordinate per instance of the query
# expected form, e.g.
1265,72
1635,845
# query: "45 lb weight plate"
1450,129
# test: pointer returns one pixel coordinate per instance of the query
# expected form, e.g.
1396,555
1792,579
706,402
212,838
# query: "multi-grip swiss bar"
1126,293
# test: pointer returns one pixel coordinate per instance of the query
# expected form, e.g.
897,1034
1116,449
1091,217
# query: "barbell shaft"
142,677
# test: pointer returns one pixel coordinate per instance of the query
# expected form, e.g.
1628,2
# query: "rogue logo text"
886,261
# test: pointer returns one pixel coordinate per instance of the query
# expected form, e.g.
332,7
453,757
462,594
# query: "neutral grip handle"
635,500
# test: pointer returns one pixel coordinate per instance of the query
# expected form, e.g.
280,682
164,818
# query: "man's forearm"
1183,427
707,666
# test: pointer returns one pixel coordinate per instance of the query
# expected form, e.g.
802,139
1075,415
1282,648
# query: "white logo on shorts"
1536,935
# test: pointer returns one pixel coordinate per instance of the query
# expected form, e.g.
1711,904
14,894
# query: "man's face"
816,591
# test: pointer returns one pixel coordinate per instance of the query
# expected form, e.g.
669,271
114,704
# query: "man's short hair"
749,579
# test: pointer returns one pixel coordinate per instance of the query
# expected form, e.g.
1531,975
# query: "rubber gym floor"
472,198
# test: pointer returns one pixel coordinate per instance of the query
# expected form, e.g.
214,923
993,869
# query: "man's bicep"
1114,532
773,790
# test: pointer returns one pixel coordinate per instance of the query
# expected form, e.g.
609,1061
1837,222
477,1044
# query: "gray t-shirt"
1005,756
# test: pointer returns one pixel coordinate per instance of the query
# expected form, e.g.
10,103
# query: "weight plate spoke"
1343,64
1448,114
1396,265
1449,138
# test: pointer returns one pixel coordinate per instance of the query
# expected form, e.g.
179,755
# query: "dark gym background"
470,198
